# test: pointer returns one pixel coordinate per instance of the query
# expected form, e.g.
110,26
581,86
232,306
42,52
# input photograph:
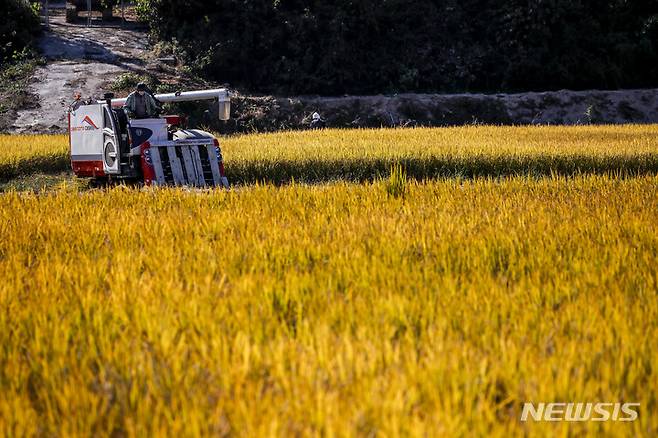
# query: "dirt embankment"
548,108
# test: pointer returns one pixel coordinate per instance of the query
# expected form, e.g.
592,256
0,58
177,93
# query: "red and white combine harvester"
106,145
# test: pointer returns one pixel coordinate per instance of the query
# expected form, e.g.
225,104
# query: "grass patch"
43,182
14,81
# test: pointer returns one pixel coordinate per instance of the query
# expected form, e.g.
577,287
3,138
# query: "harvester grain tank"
105,144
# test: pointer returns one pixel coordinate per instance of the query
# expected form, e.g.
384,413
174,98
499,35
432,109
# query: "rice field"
409,298
22,155
367,155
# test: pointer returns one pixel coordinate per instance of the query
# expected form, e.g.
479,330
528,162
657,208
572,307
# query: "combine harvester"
106,145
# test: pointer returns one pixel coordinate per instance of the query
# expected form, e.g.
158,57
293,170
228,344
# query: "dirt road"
79,59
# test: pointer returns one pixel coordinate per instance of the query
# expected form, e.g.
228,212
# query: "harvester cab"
105,144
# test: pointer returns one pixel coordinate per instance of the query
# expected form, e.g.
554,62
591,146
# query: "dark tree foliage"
373,46
18,25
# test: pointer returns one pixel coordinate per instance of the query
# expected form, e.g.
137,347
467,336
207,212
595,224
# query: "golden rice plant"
334,310
425,153
395,307
27,154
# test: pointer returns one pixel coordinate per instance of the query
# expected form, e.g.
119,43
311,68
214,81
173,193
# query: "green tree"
19,24
374,46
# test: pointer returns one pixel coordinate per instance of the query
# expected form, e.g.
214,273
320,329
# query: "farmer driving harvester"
106,145
140,104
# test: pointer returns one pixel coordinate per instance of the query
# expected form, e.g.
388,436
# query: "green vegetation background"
18,26
387,46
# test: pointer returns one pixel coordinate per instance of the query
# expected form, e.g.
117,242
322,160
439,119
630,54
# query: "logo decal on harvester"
87,125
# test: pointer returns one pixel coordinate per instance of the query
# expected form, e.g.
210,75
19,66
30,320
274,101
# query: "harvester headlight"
147,157
218,153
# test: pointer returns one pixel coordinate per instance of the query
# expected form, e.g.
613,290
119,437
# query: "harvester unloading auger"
106,144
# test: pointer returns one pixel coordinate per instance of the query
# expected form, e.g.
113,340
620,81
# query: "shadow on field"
363,170
38,164
313,171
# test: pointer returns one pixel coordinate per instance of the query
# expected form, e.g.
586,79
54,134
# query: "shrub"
20,23
375,46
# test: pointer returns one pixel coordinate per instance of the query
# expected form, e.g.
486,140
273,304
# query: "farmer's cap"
141,86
